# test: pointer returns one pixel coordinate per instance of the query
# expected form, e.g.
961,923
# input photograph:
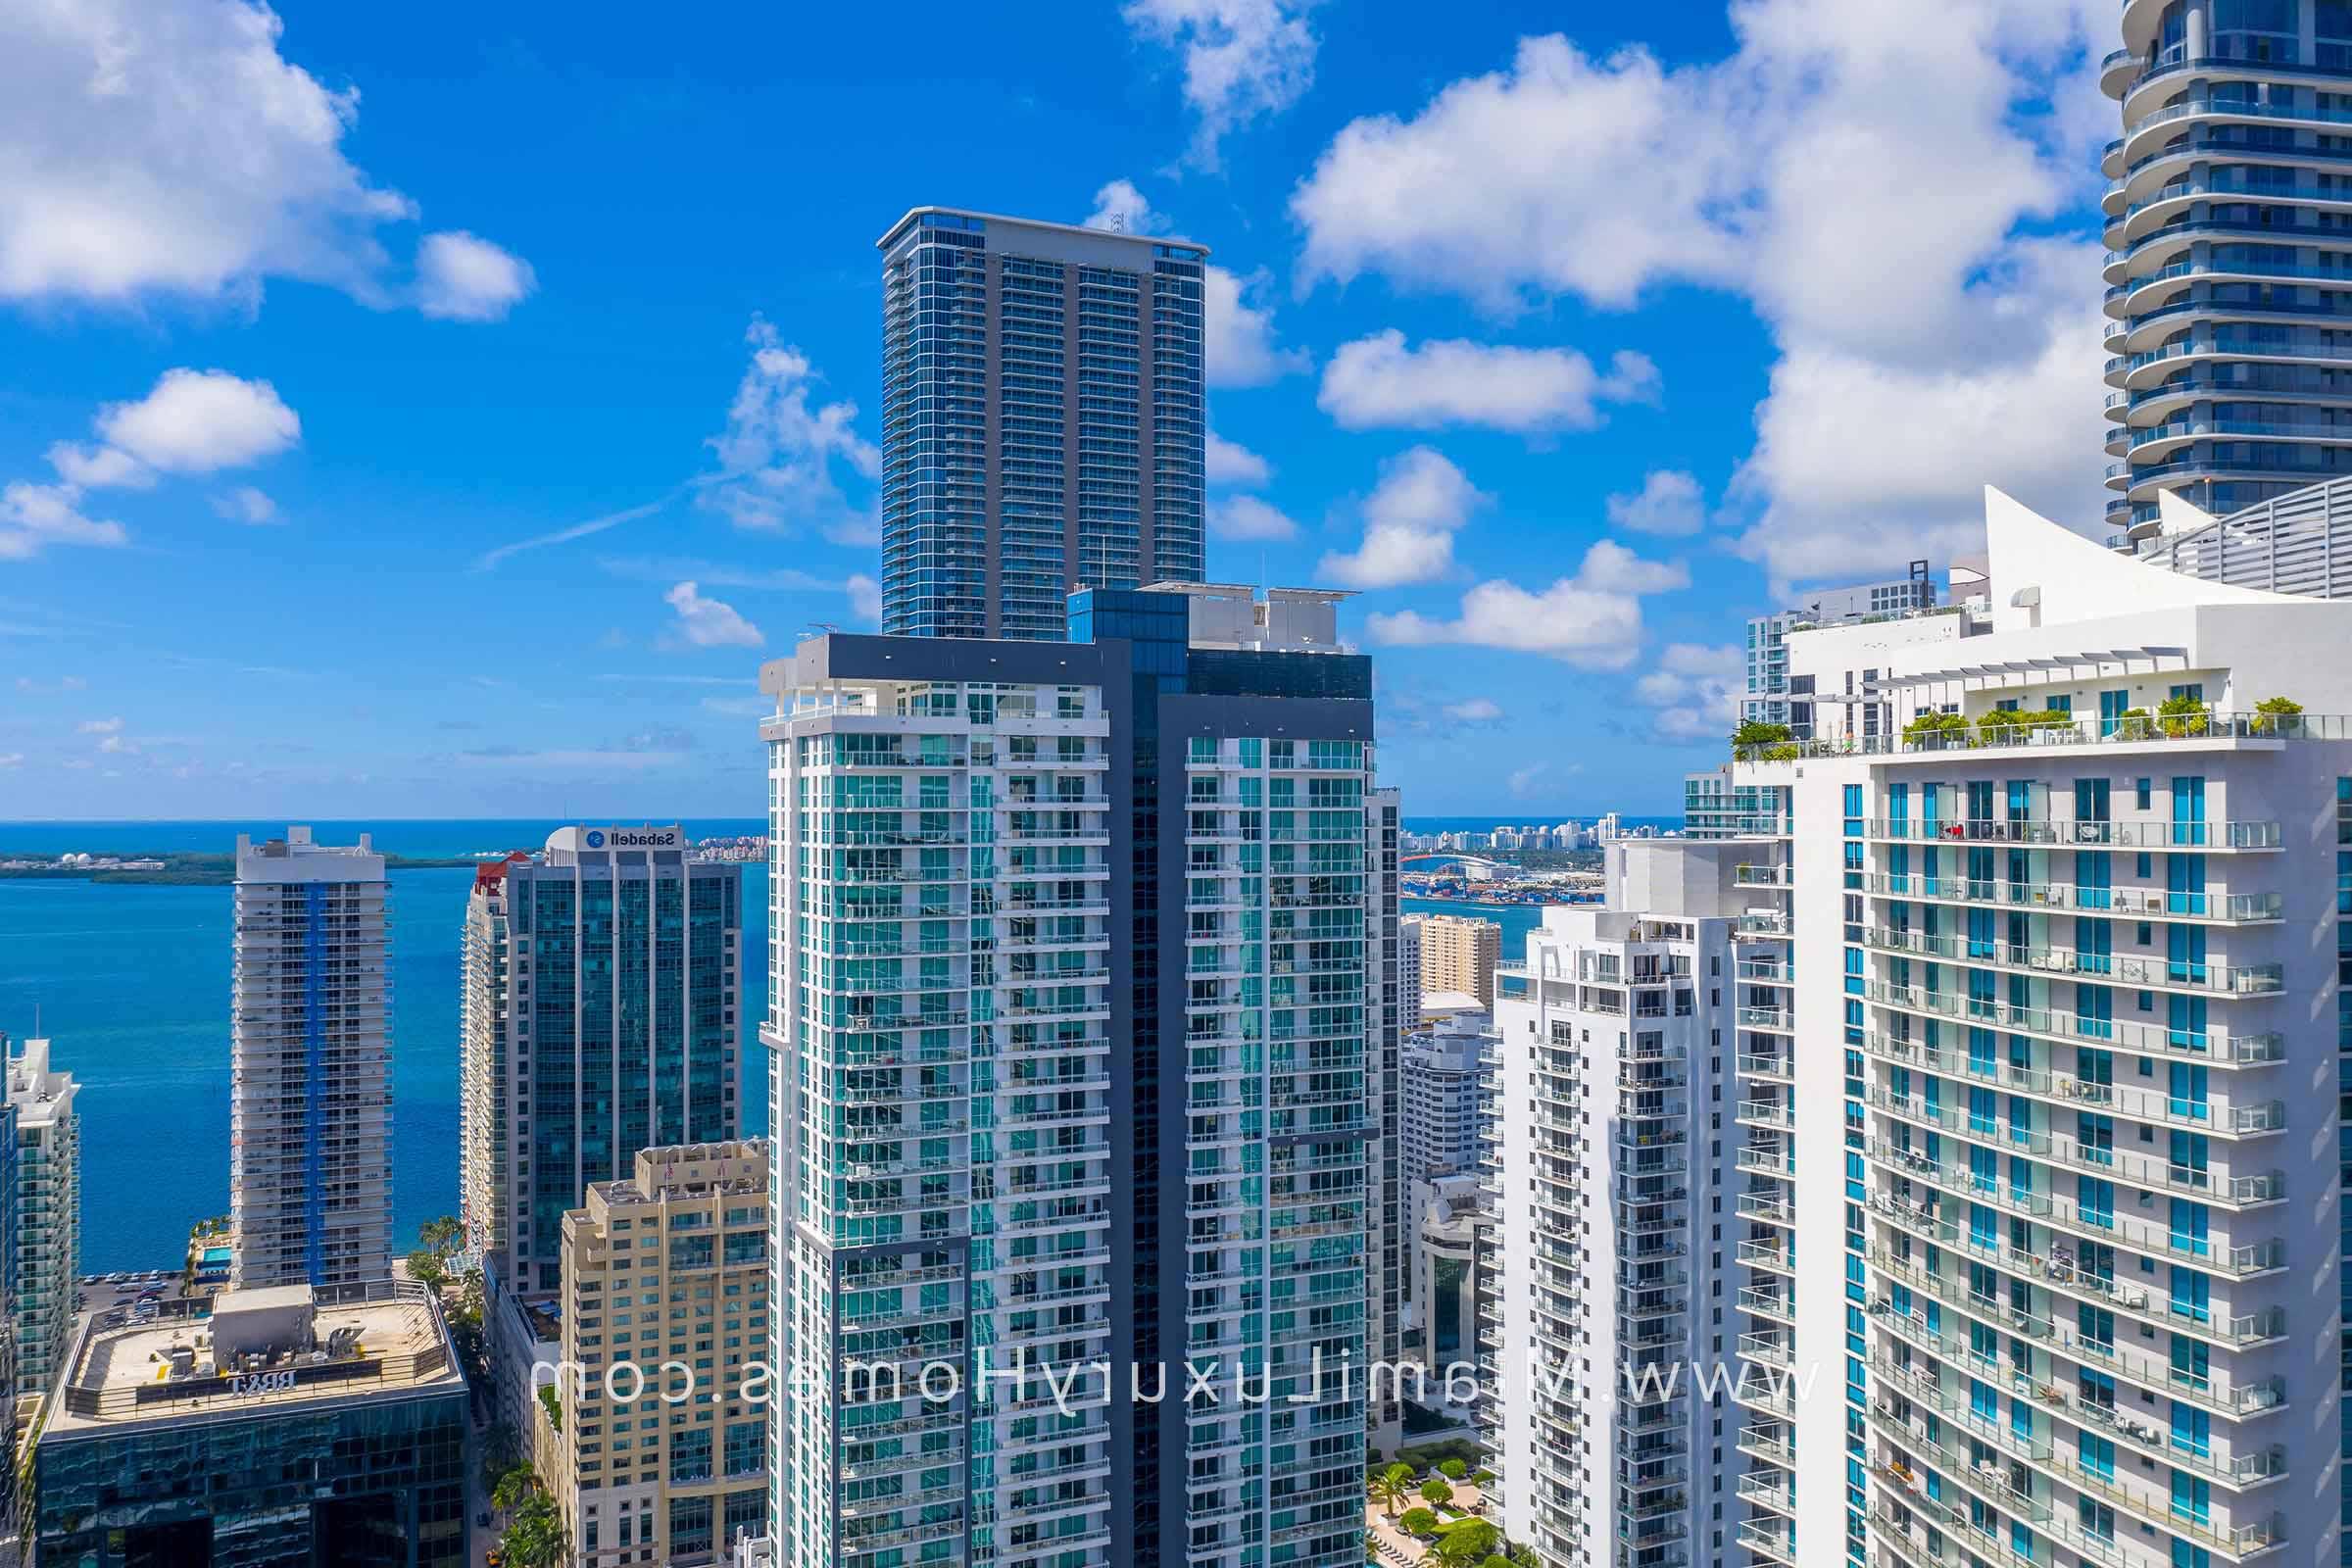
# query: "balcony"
2146,971
2062,1278
2198,905
2226,1122
2239,1263
1768,1488
2217,1048
1774,1541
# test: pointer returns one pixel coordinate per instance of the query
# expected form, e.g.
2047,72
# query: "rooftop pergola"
2020,673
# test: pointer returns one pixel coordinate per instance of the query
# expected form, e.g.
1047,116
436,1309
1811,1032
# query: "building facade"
1391,1215
1041,419
1444,1084
48,1211
310,1163
1620,1179
1408,971
1457,1294
273,1426
1076,1018
1458,953
600,1016
1774,695
2077,975
1714,807
2225,253
667,1272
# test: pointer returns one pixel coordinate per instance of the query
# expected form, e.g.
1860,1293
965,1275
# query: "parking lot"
133,1293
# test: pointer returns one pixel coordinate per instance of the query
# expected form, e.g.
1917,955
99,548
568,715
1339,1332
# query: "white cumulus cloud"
1695,689
710,623
98,468
1378,382
34,516
463,278
1592,619
169,148
1120,205
1229,462
192,422
1238,345
1871,188
1241,58
1475,711
777,456
196,422
1409,523
1246,518
1669,502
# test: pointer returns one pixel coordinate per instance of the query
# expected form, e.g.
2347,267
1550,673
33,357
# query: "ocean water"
1516,919
133,985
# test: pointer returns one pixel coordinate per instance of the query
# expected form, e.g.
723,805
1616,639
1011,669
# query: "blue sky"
442,410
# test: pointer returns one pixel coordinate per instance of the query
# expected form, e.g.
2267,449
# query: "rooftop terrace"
243,1350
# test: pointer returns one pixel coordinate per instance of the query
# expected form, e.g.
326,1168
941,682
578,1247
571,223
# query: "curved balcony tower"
2229,232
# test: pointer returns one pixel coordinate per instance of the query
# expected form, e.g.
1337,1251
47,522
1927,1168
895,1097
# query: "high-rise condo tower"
310,1160
2228,254
1041,419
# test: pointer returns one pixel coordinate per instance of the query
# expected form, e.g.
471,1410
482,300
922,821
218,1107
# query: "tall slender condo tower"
310,1160
1080,1008
48,1192
1042,422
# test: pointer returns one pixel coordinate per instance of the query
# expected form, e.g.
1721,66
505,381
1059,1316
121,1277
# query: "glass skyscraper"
1041,420
1079,1015
2229,258
599,1019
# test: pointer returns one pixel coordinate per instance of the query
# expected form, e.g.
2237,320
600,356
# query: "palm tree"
1390,1487
514,1488
535,1537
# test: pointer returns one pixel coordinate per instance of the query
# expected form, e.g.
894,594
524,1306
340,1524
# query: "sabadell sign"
632,838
